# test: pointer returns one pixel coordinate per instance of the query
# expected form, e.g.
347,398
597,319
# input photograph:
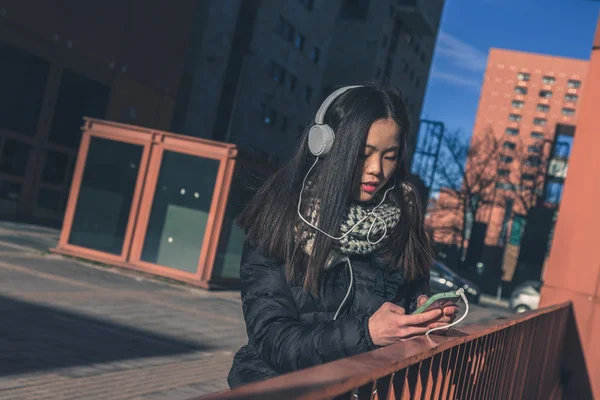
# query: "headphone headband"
330,99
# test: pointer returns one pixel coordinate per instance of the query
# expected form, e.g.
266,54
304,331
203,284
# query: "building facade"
528,108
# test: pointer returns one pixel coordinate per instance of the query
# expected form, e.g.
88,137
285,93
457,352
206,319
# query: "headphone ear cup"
320,139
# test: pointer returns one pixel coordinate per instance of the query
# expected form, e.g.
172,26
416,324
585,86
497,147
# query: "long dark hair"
271,219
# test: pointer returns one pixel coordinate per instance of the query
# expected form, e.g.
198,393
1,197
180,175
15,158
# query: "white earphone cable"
464,298
377,218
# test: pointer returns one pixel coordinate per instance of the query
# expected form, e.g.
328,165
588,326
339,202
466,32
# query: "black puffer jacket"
288,329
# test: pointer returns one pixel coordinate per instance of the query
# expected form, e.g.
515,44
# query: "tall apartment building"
386,40
530,103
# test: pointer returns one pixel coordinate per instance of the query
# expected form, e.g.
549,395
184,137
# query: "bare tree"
466,177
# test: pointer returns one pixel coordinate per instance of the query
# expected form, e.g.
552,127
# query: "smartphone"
440,300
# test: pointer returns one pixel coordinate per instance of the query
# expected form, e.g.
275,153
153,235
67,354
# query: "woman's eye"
391,158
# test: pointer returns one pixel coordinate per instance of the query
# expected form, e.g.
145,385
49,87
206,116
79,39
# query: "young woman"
336,256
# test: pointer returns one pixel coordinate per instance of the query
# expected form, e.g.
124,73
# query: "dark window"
417,48
422,57
573,83
506,159
509,145
540,121
308,4
503,172
285,29
515,117
307,93
299,42
528,177
14,156
276,72
537,135
543,108
418,82
533,161
518,104
546,94
512,131
10,191
505,186
568,112
412,74
315,53
284,123
78,96
524,76
355,10
55,167
548,80
291,83
269,116
534,149
520,90
50,200
571,98
23,78
384,42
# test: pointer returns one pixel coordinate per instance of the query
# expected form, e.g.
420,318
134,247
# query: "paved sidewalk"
70,331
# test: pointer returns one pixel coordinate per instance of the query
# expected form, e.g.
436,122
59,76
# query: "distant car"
443,279
525,296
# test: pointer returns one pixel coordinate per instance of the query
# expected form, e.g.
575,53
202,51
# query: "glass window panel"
55,167
78,97
106,194
14,157
180,211
23,79
50,204
10,194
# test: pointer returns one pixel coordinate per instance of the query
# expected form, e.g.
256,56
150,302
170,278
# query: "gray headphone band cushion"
330,99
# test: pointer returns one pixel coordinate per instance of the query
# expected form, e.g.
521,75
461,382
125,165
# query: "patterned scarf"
356,241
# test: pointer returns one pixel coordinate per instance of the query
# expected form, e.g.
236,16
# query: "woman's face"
378,159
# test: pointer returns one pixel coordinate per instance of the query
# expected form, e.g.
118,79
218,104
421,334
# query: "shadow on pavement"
36,338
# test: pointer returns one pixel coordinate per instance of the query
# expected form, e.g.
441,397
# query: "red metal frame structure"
521,357
154,143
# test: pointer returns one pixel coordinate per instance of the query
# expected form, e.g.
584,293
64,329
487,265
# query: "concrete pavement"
70,329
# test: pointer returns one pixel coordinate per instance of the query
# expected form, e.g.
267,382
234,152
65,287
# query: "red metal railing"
519,357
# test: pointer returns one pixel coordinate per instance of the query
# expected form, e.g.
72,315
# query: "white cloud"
454,79
461,54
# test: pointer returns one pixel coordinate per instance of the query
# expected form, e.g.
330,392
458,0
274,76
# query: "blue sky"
469,28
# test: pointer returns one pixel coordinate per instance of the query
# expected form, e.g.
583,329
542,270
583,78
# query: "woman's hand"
390,324
449,314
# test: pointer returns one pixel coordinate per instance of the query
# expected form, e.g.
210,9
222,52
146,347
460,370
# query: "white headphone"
320,142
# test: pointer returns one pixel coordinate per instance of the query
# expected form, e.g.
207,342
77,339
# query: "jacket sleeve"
274,328
415,289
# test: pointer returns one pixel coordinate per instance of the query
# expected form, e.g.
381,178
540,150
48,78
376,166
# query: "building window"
514,117
512,131
384,42
573,83
417,48
423,57
308,4
569,112
418,82
277,72
546,94
307,93
299,42
505,186
543,108
520,90
533,161
548,80
537,135
509,145
524,76
528,177
571,98
412,74
269,116
378,73
506,159
518,104
540,121
503,172
291,83
314,54
284,123
285,29
534,149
